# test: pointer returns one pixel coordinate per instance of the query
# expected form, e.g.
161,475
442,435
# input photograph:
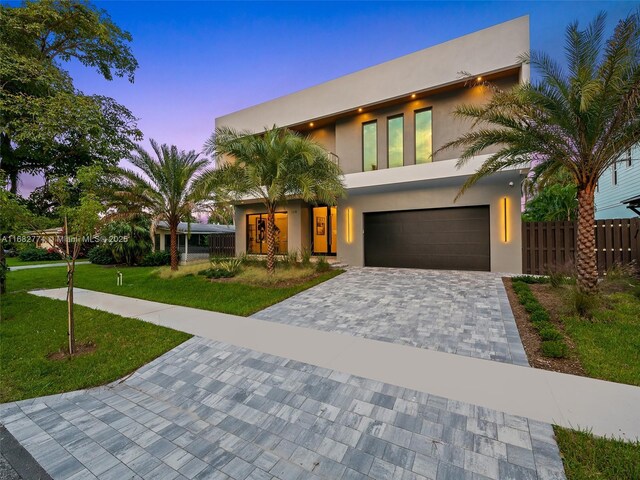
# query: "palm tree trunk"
173,230
586,262
271,241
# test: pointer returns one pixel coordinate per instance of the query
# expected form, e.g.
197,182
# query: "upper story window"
615,173
395,141
370,146
424,145
629,158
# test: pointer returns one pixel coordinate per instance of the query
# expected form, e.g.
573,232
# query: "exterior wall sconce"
349,217
505,213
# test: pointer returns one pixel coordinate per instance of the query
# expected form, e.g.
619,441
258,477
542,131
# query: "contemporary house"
618,191
384,125
193,240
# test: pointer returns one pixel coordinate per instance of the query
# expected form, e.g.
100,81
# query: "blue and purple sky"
200,60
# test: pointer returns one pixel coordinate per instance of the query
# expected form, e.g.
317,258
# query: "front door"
324,230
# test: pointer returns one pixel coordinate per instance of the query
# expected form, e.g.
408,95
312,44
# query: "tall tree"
271,167
48,126
163,193
552,203
580,118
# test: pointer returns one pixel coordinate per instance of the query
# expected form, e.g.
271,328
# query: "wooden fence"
548,246
222,245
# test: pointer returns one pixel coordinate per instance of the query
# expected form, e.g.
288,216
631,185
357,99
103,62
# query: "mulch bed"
553,303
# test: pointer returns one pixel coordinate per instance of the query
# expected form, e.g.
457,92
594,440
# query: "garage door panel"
448,238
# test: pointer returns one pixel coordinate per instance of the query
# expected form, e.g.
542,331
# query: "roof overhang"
633,204
442,172
493,51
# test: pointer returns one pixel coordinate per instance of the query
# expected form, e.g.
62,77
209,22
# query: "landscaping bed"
602,332
532,342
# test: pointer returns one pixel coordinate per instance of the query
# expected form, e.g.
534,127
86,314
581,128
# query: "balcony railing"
333,158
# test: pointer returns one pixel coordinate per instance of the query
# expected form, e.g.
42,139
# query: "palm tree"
164,193
272,166
580,119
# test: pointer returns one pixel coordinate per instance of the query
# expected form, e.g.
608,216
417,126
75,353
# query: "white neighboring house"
194,245
618,192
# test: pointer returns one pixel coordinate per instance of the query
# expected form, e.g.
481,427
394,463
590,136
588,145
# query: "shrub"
156,259
101,255
305,256
223,268
529,279
216,273
290,259
322,265
532,306
583,303
33,254
550,333
622,272
556,279
554,349
539,315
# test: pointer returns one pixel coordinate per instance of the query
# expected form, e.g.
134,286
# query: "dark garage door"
443,238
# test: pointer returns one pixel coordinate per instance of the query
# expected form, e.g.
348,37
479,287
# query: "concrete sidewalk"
43,265
604,407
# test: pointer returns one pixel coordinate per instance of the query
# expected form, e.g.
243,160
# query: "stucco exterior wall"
325,136
445,126
505,256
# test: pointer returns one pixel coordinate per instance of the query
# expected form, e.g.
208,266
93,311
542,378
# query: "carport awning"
633,204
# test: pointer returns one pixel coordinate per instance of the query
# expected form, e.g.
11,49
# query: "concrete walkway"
208,410
43,265
604,407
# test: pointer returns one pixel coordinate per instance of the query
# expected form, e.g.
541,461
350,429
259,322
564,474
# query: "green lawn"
142,282
33,327
609,344
587,457
16,262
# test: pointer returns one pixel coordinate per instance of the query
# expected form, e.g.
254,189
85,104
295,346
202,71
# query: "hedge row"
553,344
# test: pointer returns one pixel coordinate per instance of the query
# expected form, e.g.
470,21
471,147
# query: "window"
395,141
629,158
198,243
615,173
424,146
257,233
370,146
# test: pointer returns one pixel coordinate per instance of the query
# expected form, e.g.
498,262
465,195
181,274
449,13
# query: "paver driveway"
210,410
466,313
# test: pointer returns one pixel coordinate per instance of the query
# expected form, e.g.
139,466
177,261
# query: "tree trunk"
71,330
271,242
586,261
3,270
9,162
173,230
